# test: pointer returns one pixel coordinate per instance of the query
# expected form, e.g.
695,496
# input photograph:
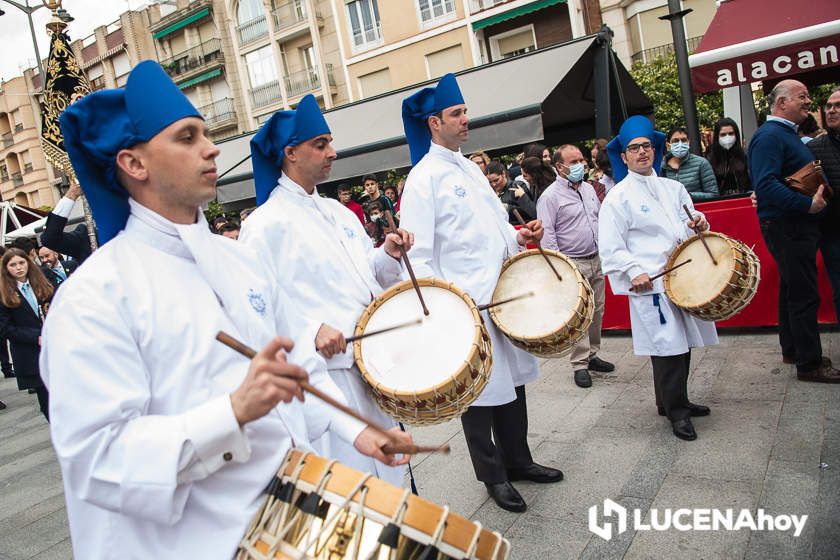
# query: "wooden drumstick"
700,235
393,227
667,270
504,301
548,260
350,339
249,353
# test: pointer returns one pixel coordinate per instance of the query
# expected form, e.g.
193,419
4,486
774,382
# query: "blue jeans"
830,249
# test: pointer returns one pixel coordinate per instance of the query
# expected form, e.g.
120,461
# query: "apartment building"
389,44
640,36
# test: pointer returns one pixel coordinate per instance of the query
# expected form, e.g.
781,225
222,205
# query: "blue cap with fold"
418,107
636,126
284,128
99,125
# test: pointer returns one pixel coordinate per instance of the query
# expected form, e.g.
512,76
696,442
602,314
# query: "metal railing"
290,14
651,54
27,167
478,5
218,112
8,140
194,57
307,80
266,94
253,30
17,178
18,127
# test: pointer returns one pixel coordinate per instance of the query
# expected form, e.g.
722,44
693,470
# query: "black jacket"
75,243
526,204
22,327
53,277
826,148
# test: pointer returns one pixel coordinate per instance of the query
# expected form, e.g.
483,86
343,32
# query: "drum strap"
410,472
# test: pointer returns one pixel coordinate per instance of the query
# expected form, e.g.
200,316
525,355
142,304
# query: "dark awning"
755,40
544,95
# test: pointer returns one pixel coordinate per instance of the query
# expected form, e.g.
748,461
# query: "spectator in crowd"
371,184
5,361
375,228
606,177
809,129
790,225
481,159
693,171
515,168
243,214
391,194
75,243
345,196
514,196
24,296
217,223
28,246
230,230
728,159
599,144
826,148
537,175
568,210
400,187
53,266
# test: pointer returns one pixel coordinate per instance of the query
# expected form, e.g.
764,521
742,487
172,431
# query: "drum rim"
666,280
388,294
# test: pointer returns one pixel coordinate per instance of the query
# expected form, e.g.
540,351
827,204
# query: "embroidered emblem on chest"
257,302
645,208
460,191
349,232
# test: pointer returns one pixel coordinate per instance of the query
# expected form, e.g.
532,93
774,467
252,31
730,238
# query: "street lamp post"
55,6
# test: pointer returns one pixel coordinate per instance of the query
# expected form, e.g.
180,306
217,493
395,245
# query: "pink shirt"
570,218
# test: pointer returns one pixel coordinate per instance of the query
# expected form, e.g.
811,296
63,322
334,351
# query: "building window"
513,43
364,23
375,83
444,61
249,10
434,11
261,67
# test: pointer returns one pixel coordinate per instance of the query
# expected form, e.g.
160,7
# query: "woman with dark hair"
24,295
603,172
728,159
538,174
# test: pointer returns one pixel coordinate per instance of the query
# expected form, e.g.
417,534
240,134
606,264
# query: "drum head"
700,281
421,357
553,303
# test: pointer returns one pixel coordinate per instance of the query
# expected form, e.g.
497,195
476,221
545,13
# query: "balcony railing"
17,179
27,167
478,5
218,112
8,140
195,57
651,54
307,80
253,30
18,127
266,94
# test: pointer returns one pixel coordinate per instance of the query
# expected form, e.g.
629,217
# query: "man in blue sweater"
790,226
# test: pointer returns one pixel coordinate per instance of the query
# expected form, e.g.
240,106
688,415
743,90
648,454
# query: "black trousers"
507,426
5,361
793,244
43,401
670,383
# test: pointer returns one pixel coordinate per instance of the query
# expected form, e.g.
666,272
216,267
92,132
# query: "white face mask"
727,141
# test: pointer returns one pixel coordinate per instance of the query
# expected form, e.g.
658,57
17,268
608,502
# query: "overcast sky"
16,42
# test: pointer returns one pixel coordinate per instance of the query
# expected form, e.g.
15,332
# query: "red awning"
753,40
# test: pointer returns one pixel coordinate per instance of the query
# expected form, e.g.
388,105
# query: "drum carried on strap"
708,291
556,317
431,373
320,509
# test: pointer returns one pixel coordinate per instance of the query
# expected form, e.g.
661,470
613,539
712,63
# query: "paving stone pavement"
761,448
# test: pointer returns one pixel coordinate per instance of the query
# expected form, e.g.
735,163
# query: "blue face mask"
575,173
679,149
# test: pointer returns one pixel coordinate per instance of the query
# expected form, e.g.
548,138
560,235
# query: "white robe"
640,224
322,256
154,462
462,235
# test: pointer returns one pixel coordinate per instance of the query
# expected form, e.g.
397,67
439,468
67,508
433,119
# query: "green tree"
658,80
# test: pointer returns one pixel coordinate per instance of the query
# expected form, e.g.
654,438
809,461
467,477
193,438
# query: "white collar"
159,232
20,284
287,185
444,151
784,121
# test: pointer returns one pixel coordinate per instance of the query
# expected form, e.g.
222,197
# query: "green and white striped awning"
520,11
200,78
183,23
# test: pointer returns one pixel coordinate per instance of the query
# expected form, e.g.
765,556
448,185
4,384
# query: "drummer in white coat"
319,251
165,437
462,235
641,223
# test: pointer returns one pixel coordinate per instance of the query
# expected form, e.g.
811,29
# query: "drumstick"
393,228
700,235
522,222
354,338
388,448
667,270
504,301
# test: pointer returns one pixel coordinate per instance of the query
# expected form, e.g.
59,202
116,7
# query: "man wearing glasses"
826,148
790,225
640,223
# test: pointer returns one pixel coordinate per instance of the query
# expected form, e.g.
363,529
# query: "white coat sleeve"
685,199
115,454
386,269
616,259
417,215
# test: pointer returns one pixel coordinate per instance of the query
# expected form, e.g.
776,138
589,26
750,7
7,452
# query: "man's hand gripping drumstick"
271,380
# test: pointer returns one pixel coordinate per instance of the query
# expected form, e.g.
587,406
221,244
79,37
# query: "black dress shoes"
603,366
2,405
693,409
684,429
582,378
535,473
506,496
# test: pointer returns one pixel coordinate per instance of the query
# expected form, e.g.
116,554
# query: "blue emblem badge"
349,232
257,302
645,208
460,192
